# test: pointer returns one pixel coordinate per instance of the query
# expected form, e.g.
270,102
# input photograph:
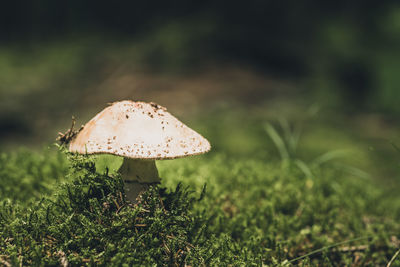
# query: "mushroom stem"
138,174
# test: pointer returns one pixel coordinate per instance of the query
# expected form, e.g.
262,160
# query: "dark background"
342,54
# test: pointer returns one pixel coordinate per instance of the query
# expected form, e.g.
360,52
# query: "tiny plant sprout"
141,133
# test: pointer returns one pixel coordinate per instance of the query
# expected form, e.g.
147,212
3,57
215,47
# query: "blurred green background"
224,68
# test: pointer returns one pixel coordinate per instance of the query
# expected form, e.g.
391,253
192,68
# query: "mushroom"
141,133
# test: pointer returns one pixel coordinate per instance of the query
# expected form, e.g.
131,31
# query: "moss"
252,213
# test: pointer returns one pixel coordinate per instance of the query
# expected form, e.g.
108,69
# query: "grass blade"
393,258
328,156
278,141
353,171
304,168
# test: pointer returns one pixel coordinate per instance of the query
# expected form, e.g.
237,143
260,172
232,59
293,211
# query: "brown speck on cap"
151,130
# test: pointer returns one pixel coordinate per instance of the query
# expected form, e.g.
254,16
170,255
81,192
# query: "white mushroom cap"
138,130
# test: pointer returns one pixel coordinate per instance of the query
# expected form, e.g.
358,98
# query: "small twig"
353,248
65,138
328,247
178,252
121,198
89,260
173,237
162,203
166,248
6,263
116,203
20,257
118,210
51,239
393,258
63,258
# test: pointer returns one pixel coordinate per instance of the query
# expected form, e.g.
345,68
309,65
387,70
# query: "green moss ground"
218,209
